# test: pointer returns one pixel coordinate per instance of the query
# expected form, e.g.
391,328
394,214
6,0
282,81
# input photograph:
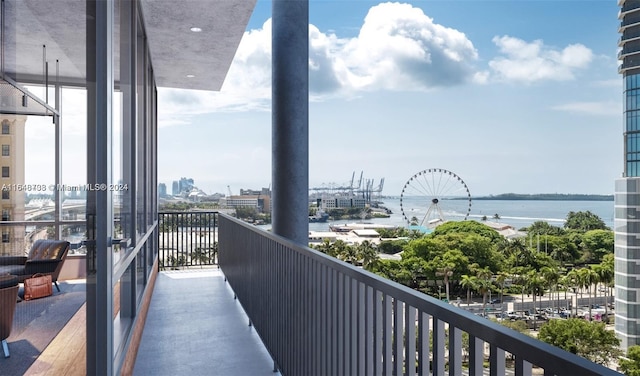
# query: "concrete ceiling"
177,53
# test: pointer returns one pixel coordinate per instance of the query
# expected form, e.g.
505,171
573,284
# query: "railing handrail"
181,248
551,358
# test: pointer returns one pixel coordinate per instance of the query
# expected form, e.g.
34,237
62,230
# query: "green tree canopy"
561,249
543,228
584,221
631,365
596,244
426,248
590,340
478,248
391,247
462,227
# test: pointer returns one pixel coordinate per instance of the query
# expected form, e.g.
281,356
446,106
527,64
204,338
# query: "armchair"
8,298
45,257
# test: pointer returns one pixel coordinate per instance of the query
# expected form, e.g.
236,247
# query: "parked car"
512,315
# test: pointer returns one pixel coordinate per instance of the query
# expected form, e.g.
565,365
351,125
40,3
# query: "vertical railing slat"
455,351
354,337
387,336
333,323
476,355
340,333
362,329
497,363
522,367
378,337
398,333
324,328
423,344
410,340
438,348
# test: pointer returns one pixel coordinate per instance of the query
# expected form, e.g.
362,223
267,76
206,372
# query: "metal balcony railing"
187,239
319,316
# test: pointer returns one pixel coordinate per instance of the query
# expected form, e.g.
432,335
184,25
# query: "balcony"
628,8
272,304
317,315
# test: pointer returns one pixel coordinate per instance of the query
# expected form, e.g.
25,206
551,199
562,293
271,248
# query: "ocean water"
517,213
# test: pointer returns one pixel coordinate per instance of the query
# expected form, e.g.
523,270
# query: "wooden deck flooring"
66,354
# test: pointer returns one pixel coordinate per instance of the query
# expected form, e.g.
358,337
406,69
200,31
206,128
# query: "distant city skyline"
519,97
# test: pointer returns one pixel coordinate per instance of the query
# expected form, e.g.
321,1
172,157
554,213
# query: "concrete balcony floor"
195,327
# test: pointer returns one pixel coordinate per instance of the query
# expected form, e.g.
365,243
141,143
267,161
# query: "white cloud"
533,61
401,48
398,48
610,108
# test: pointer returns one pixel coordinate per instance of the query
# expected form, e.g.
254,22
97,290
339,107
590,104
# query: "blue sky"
512,96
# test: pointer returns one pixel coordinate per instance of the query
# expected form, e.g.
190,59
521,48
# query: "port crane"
366,188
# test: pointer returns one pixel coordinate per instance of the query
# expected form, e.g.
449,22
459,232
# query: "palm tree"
349,254
573,281
606,276
446,271
565,283
470,283
551,276
368,253
484,285
518,275
501,277
535,284
518,248
324,247
561,253
588,277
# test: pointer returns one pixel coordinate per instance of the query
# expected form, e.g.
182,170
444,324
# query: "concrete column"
290,119
99,52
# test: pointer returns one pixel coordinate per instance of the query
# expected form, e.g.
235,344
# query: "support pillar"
290,119
100,334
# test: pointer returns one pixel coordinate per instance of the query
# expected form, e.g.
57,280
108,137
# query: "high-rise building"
627,188
12,202
186,184
162,190
175,188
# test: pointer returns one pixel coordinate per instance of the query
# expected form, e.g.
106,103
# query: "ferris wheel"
434,196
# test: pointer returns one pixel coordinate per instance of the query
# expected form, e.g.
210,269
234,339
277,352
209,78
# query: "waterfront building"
627,188
342,202
255,192
261,202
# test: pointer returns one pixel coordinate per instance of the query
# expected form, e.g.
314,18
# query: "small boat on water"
320,217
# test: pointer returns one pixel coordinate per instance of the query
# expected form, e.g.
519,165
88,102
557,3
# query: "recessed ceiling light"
196,29
191,75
